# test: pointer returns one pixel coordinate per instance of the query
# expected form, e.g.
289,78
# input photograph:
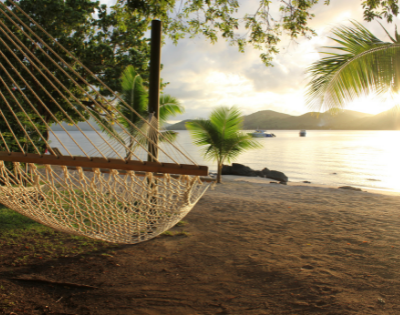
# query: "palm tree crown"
136,96
221,137
361,64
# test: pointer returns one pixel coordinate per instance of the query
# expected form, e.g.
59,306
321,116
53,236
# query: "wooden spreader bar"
96,162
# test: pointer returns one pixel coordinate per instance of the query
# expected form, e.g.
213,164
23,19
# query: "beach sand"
300,250
252,248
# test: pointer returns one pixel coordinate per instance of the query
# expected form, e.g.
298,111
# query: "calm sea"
365,159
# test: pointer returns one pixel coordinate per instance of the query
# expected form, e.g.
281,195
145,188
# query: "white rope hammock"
97,192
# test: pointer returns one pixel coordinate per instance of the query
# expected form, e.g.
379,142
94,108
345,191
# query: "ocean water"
365,159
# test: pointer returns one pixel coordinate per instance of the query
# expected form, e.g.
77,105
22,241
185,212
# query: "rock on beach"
243,170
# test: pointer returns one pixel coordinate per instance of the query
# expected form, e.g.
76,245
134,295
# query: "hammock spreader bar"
97,162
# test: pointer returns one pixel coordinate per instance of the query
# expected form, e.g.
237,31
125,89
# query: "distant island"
271,120
84,126
344,120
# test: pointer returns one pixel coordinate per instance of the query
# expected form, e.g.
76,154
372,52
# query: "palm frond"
205,133
135,95
238,144
168,135
169,107
106,125
364,65
221,136
227,120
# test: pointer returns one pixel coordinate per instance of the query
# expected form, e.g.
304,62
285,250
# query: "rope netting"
119,182
122,208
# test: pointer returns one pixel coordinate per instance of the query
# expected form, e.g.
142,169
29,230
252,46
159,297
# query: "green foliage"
102,43
262,28
135,94
214,19
11,220
360,65
24,241
182,223
27,137
380,8
169,107
221,136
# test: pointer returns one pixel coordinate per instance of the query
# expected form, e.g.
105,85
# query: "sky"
204,76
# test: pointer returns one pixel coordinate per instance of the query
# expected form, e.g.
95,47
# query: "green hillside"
344,120
389,120
179,126
84,126
314,120
271,120
266,119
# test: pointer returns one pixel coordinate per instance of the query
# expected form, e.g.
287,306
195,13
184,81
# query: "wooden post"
154,85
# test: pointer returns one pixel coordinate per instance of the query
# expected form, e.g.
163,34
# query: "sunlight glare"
373,104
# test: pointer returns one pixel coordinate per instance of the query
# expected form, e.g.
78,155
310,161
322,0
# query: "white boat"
302,133
261,134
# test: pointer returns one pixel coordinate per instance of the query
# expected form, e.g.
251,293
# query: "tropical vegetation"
135,96
102,43
260,28
221,137
360,64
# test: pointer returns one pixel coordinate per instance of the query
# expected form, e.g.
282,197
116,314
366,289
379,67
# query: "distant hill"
85,126
179,126
271,120
389,120
166,125
264,118
314,121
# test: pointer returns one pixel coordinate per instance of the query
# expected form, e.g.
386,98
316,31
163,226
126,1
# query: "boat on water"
302,133
261,134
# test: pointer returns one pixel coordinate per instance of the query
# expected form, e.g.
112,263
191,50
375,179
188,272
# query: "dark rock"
226,170
273,182
243,170
283,183
350,188
334,173
306,182
277,176
265,171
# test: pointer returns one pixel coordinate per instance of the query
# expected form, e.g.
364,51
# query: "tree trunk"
219,172
45,134
129,152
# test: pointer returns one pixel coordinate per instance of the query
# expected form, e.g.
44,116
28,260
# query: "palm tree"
360,65
136,96
221,136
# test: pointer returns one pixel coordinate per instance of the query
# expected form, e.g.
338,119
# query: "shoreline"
266,181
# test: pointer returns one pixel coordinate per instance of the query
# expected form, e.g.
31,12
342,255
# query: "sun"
374,104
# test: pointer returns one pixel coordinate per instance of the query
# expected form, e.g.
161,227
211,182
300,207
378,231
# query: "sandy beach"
246,248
